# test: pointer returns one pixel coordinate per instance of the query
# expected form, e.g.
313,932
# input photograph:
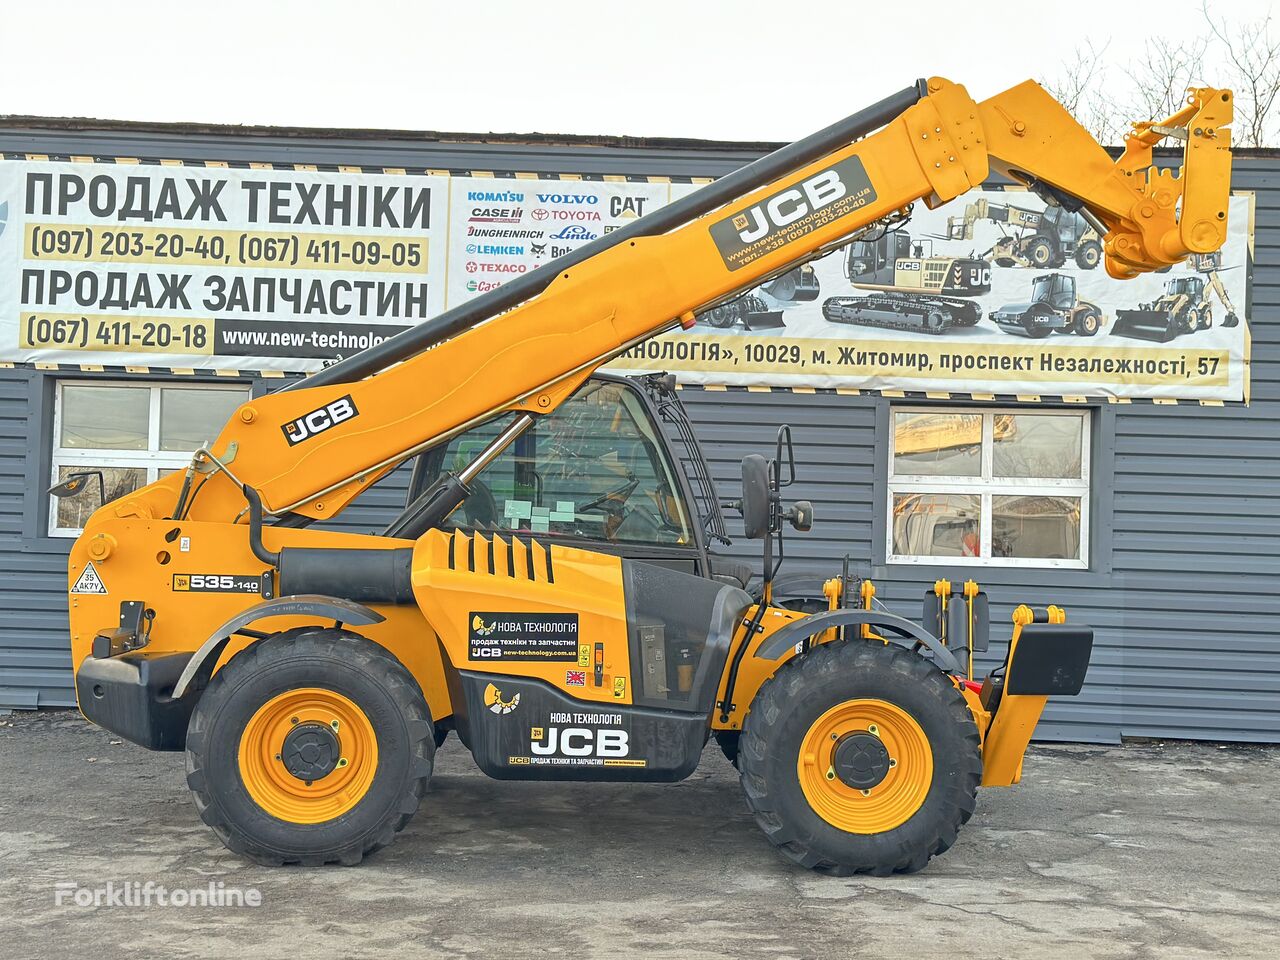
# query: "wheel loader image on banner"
1043,239
1185,306
551,591
762,308
918,291
1053,308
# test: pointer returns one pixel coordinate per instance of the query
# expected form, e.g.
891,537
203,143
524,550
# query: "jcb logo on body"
318,421
578,742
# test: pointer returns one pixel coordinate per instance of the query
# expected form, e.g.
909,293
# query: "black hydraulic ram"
728,188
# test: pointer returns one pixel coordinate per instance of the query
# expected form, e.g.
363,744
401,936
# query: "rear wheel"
1088,254
860,757
1088,323
312,746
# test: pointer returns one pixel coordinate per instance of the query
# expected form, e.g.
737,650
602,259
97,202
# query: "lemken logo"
318,421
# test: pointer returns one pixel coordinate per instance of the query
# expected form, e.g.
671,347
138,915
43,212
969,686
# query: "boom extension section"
527,346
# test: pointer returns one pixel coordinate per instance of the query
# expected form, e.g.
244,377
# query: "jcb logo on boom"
318,421
785,208
792,212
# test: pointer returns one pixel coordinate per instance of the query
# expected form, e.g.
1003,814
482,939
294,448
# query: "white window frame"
152,459
986,485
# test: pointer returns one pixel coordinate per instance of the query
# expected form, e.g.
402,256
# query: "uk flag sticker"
575,678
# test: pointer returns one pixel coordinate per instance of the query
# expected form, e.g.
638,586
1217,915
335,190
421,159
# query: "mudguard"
300,605
904,632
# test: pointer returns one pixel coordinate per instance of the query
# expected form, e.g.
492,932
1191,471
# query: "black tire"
333,659
787,707
1088,323
1040,253
1088,254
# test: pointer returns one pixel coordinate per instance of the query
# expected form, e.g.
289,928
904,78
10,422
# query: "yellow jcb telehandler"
549,591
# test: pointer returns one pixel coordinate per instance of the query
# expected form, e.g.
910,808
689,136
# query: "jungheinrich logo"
318,421
792,212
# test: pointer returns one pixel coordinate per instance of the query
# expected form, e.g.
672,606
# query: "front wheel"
312,746
860,757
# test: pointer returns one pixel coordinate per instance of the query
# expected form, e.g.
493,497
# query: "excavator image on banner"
1044,239
1185,306
555,592
915,290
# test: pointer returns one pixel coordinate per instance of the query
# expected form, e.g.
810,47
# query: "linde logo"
787,207
492,196
318,421
570,198
575,232
578,742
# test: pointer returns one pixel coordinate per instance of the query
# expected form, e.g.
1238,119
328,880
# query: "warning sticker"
549,637
89,582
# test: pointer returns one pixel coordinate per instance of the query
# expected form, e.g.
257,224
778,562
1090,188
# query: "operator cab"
1058,290
615,469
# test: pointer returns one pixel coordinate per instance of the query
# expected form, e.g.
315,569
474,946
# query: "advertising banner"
206,267
989,294
220,268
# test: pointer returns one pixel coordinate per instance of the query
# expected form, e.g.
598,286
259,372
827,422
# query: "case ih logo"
318,421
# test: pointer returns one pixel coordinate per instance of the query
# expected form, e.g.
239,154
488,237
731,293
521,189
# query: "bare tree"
1253,58
1161,75
1081,86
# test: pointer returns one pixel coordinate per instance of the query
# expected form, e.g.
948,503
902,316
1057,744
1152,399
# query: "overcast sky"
697,68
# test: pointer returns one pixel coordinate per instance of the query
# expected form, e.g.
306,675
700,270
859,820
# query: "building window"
991,487
133,432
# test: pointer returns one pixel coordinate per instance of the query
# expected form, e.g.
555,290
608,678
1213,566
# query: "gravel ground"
1147,850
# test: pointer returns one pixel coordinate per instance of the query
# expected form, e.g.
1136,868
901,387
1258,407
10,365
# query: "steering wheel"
480,508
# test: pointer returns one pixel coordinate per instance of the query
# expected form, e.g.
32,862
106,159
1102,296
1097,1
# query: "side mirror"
755,496
75,484
800,516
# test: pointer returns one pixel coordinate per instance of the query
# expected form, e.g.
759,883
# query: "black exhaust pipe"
765,170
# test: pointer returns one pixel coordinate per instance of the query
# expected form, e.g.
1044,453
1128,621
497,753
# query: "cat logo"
493,700
480,629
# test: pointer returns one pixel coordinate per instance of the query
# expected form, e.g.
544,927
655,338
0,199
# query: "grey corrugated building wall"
1185,532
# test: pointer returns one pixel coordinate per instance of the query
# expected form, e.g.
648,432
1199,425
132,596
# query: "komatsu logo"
318,421
792,212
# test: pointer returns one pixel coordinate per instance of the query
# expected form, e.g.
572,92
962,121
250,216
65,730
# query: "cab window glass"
595,468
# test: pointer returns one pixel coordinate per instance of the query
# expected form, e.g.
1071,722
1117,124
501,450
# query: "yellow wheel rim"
886,804
288,797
